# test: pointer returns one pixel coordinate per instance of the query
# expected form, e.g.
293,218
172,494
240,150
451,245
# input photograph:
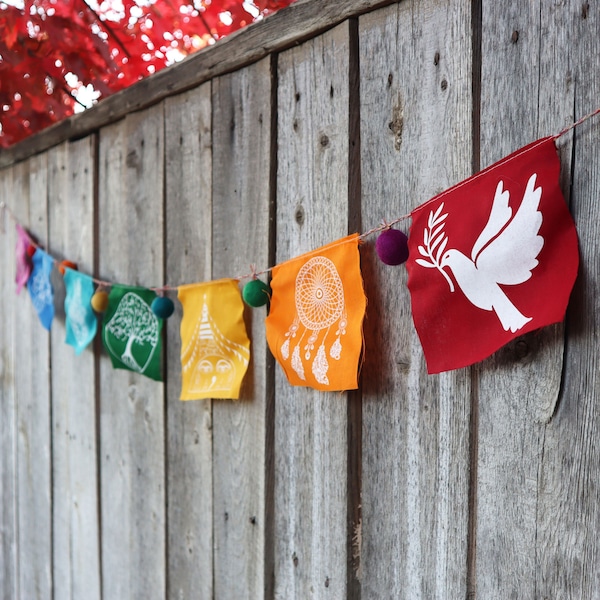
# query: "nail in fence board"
75,507
132,406
188,155
241,204
416,141
311,427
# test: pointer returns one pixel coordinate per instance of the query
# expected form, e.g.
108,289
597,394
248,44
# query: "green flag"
131,331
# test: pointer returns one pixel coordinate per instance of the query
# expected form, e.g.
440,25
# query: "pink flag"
23,261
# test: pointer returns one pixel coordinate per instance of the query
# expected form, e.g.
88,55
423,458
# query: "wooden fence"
323,119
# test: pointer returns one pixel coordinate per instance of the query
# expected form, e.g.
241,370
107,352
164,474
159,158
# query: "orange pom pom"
66,263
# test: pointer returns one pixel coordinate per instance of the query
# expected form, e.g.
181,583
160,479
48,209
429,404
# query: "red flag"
492,258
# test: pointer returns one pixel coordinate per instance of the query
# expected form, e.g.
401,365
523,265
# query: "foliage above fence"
51,51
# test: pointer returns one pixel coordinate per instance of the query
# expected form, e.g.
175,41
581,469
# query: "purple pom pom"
392,247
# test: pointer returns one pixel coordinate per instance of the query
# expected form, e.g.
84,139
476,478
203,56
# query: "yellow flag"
215,349
314,328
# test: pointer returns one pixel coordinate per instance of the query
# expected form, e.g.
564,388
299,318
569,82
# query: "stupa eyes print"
211,357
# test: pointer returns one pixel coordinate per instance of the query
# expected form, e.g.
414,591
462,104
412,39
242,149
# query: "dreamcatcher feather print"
315,325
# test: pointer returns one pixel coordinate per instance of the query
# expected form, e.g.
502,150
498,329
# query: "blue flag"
81,323
40,288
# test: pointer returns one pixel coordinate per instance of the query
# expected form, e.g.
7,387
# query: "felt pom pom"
31,250
256,293
66,264
392,247
99,301
162,307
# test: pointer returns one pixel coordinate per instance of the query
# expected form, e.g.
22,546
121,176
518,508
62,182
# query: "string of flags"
489,259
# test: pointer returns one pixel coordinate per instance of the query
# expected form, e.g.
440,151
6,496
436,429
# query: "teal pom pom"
162,307
256,293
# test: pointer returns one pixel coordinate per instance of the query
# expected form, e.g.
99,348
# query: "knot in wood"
585,9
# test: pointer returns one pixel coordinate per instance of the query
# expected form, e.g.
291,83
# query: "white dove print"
505,253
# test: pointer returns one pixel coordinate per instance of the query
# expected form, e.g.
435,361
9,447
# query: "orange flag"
314,328
215,349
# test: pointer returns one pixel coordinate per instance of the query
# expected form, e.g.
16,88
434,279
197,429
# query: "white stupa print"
212,358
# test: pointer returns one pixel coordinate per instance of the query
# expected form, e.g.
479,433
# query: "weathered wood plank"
241,210
32,394
526,92
311,485
301,20
76,543
416,141
188,140
132,406
10,305
568,515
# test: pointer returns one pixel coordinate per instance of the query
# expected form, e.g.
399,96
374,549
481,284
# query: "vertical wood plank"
416,140
9,310
527,91
311,450
132,406
241,210
188,140
32,393
568,514
75,490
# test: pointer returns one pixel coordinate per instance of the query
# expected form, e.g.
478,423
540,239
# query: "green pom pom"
256,293
162,307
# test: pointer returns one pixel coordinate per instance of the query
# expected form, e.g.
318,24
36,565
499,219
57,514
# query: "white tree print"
134,322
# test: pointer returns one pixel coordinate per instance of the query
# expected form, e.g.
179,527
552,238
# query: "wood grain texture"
188,152
311,484
568,514
241,210
9,309
75,507
416,140
131,406
32,389
301,20
527,91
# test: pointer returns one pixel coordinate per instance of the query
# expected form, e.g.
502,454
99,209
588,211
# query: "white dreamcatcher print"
319,296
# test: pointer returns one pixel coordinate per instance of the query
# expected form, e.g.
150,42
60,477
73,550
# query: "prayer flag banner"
314,328
492,258
40,288
81,323
23,264
215,349
131,331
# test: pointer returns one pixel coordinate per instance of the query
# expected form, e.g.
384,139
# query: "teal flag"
131,331
81,323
